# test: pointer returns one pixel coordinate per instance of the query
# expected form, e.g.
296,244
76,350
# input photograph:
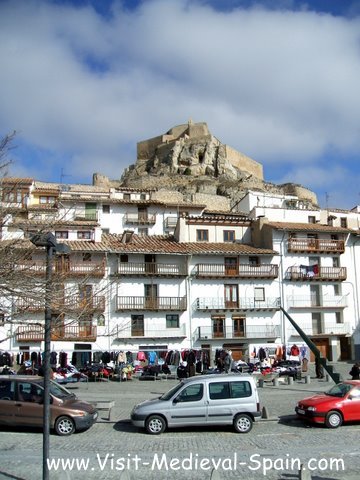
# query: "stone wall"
244,163
212,202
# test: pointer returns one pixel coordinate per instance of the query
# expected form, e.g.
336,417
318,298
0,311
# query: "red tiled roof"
307,227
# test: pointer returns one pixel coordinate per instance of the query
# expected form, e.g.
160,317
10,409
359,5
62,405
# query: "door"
189,407
323,345
317,326
62,264
239,327
8,406
218,327
151,296
90,211
86,297
29,405
231,296
351,406
150,264
231,266
142,214
315,296
137,325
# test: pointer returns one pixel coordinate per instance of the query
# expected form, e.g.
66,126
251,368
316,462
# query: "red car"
340,404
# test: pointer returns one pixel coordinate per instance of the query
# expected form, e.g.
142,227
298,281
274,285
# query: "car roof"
22,378
218,377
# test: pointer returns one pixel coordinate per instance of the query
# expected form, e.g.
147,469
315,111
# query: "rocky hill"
188,159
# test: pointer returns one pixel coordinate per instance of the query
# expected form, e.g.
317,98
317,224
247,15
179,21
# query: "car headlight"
312,409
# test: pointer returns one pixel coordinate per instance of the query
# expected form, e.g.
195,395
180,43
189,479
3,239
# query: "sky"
81,82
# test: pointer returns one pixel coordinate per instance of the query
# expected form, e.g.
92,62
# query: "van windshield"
171,392
59,391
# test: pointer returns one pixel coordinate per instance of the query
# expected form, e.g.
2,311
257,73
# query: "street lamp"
47,240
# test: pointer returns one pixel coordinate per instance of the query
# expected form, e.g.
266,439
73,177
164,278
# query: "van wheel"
243,423
333,419
155,424
64,426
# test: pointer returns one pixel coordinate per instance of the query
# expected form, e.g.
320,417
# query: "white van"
202,400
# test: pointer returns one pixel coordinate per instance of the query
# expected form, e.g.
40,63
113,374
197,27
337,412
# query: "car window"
7,389
59,391
192,393
339,390
30,392
219,390
355,393
240,389
171,392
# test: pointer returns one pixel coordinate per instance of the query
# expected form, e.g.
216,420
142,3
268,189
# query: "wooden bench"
104,406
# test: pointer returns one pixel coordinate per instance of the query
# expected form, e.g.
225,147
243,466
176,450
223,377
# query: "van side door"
189,406
29,404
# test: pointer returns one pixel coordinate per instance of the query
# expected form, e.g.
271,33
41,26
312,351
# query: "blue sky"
83,81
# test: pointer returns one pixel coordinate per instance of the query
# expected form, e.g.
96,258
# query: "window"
229,235
172,321
106,208
240,389
2,318
202,235
311,219
47,199
238,326
105,231
61,234
86,257
259,294
127,196
143,232
142,196
7,389
86,235
343,222
219,390
192,393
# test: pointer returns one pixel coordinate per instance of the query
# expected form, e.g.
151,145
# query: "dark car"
21,404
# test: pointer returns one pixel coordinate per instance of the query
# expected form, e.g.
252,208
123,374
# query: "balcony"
243,304
151,333
151,269
151,303
82,215
315,273
72,303
235,271
266,331
323,329
83,332
140,219
318,302
73,269
315,245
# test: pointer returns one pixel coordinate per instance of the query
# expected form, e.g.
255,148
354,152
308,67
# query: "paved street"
114,449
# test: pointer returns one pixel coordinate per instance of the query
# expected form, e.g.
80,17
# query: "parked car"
21,404
340,404
225,399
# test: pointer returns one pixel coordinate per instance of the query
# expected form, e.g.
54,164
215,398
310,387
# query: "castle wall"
242,162
212,202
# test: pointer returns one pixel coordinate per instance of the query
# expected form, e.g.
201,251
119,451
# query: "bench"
104,406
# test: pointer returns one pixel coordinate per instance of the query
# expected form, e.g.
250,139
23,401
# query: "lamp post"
47,240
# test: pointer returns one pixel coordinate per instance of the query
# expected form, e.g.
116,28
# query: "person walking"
319,371
355,371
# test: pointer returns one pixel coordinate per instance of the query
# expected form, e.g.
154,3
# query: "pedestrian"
319,371
355,371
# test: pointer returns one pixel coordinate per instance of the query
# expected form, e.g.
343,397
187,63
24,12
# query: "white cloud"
280,86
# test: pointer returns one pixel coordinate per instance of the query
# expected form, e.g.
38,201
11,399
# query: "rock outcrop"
190,160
